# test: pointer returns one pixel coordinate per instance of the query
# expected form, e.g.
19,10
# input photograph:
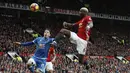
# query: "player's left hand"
17,43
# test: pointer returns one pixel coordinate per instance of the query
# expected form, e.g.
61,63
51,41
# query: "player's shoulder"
88,18
38,38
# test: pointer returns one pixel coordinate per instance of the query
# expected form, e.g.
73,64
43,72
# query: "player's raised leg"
75,40
62,34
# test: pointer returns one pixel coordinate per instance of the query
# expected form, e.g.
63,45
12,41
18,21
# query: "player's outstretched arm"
27,43
24,44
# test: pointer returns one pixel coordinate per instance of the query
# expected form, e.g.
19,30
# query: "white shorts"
40,64
81,45
31,62
49,66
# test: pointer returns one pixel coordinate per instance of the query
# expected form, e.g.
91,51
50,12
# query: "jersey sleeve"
89,22
27,43
89,19
51,40
35,40
30,43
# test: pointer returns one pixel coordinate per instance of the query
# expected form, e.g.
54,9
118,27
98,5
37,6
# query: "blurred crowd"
106,7
12,29
65,65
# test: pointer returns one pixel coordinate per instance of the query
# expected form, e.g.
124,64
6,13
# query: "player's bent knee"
65,32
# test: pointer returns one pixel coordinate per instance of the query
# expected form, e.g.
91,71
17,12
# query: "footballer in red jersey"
49,65
82,36
84,28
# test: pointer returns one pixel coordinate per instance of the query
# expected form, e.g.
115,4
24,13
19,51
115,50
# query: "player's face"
82,13
47,33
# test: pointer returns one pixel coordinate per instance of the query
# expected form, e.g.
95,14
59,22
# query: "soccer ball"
34,7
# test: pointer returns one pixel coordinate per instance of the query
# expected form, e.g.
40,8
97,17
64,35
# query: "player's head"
83,11
47,33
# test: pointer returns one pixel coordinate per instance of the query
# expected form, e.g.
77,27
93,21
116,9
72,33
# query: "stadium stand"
11,30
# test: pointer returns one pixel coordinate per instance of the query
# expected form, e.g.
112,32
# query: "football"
34,7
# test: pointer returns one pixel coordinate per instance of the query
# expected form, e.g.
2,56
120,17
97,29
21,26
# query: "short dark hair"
48,29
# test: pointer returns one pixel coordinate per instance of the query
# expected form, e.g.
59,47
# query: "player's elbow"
91,25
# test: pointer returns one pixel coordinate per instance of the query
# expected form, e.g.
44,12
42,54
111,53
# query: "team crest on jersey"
41,45
80,25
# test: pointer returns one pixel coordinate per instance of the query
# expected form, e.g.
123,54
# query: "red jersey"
82,32
51,51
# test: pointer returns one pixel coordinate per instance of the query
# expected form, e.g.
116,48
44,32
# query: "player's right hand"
17,43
